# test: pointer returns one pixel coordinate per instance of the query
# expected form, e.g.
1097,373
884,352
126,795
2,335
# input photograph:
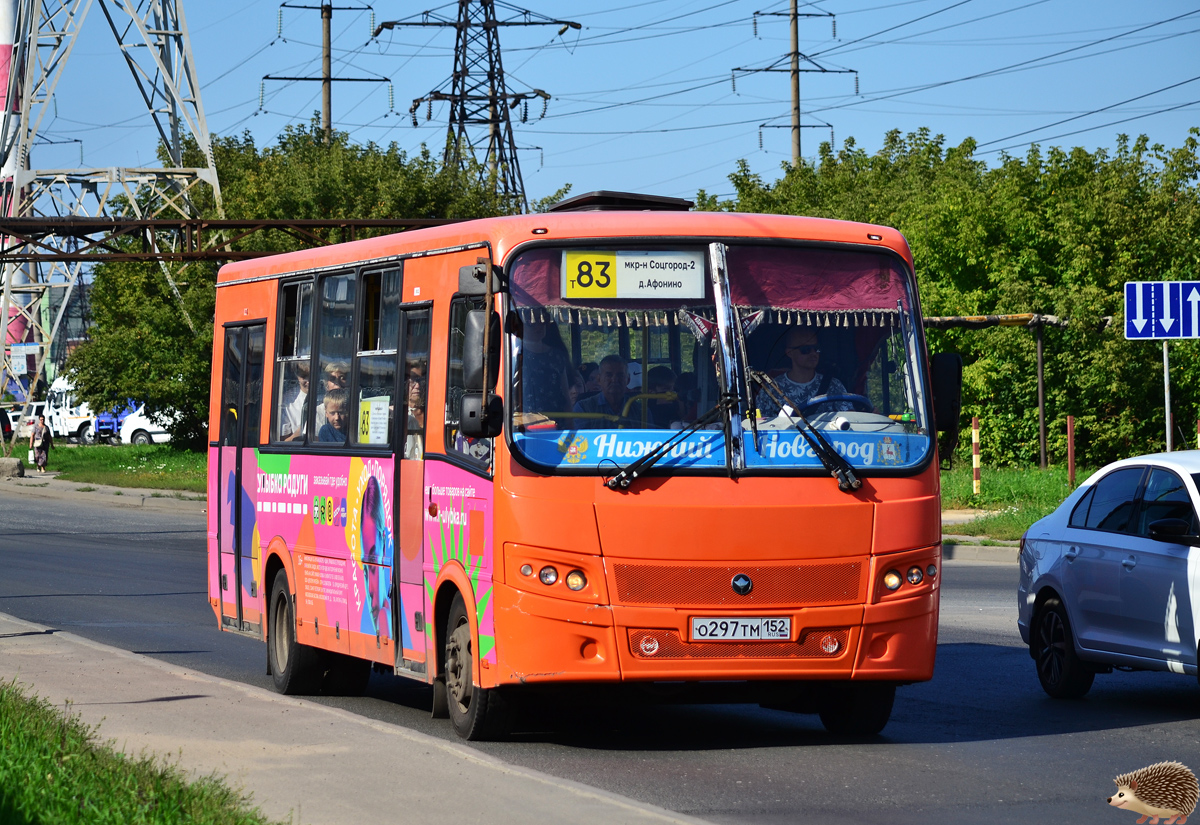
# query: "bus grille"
667,644
710,586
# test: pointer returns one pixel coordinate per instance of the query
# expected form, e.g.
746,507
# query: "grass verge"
154,467
53,770
1016,497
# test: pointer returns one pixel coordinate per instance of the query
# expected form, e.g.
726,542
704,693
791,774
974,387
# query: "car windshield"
611,349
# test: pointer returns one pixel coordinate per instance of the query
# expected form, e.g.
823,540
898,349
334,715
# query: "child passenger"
334,428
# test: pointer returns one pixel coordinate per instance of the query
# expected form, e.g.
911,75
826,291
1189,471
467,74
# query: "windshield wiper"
831,460
630,474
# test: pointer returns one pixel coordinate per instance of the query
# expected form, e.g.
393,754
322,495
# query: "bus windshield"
614,349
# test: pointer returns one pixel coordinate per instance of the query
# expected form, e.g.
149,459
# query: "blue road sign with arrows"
1162,309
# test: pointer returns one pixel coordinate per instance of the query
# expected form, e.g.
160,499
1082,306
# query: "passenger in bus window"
414,442
660,381
334,376
542,367
334,428
590,372
575,389
802,381
607,409
293,415
688,390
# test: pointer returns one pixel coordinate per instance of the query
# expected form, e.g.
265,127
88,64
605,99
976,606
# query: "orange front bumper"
544,639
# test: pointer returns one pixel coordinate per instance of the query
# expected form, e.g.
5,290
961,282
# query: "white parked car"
140,428
24,424
1112,577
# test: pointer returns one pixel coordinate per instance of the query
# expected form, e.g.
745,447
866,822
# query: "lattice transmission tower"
480,130
152,36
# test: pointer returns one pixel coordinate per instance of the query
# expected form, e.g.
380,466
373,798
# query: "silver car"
1112,577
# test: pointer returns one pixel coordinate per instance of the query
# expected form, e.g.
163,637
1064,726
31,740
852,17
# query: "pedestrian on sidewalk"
39,442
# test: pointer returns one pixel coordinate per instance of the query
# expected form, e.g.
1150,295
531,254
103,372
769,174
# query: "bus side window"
416,382
375,367
293,362
478,450
335,349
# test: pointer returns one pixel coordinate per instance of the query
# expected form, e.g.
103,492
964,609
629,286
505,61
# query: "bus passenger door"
241,406
412,613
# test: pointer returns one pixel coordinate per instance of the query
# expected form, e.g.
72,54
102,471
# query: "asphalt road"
980,743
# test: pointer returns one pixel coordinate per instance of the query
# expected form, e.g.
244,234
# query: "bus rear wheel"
476,713
295,668
857,708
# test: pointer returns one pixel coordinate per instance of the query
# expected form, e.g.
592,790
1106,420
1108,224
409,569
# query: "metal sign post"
1162,310
1167,393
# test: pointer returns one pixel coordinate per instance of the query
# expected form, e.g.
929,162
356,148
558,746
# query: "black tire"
1060,670
86,434
476,713
857,708
295,668
345,675
141,438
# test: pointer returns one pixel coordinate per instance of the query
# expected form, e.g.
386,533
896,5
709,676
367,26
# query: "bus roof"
507,232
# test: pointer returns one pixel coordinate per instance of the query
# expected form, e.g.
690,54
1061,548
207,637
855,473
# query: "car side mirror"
946,370
479,418
1173,530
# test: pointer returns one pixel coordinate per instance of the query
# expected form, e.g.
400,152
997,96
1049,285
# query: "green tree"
141,345
1055,232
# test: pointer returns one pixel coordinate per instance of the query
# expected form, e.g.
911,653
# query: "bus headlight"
892,580
915,575
576,580
548,575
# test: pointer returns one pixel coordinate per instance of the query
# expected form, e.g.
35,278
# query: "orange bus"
618,442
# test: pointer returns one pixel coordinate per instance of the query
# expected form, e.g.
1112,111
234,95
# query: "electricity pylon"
795,59
480,128
152,36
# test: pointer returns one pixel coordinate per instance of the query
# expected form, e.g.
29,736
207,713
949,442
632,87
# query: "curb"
51,487
979,552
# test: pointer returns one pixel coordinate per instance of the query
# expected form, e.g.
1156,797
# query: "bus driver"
802,381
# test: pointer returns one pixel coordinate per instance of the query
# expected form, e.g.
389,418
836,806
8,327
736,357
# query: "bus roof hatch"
606,201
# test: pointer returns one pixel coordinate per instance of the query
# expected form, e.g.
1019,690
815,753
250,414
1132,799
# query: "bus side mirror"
473,344
946,369
479,418
472,281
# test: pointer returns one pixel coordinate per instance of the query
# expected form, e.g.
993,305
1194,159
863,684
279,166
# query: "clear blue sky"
642,98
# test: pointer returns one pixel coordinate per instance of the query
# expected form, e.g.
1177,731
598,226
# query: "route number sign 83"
591,274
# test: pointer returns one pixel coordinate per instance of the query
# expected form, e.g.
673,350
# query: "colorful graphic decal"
706,448
458,530
335,514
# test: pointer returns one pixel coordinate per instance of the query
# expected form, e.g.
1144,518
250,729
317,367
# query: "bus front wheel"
858,708
295,668
476,713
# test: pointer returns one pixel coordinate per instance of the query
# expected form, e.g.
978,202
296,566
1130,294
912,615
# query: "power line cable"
1011,67
1093,112
1101,126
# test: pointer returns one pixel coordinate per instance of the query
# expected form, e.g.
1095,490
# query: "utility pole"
479,99
795,57
326,72
326,79
794,19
